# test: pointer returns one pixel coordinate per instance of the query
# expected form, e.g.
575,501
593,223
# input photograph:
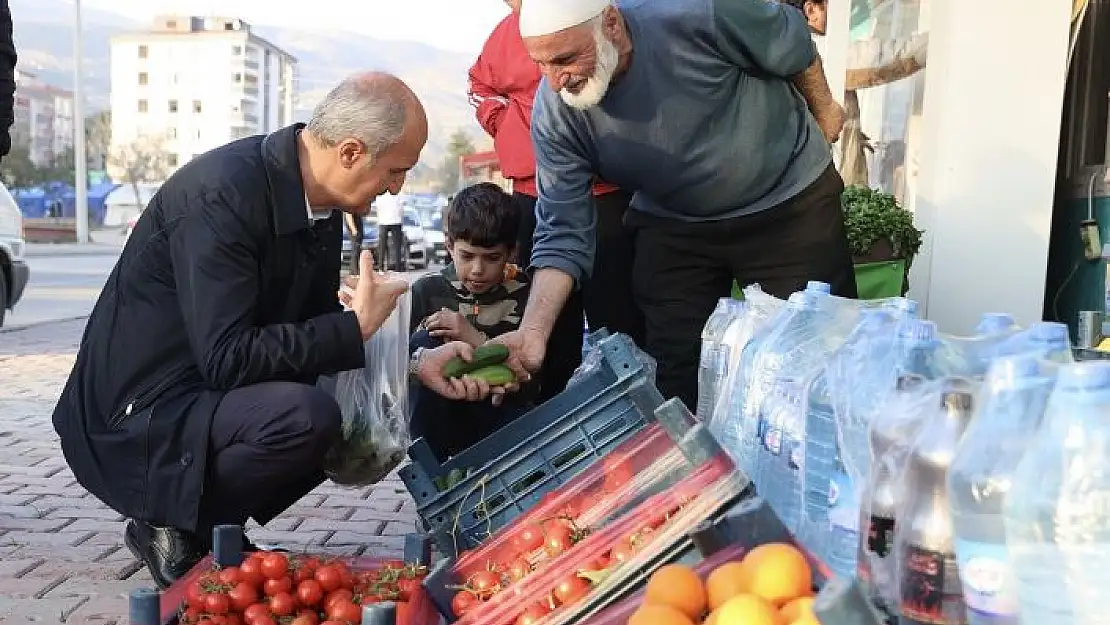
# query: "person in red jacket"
503,83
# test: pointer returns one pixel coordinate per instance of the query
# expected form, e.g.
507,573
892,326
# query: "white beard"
597,85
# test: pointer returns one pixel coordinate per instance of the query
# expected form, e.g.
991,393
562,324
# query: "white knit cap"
544,17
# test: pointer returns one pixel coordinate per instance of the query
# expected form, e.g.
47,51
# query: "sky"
460,25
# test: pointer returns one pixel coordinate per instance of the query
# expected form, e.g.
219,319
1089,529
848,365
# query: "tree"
98,138
458,146
18,170
142,161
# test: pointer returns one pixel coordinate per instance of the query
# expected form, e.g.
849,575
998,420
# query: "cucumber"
485,356
495,375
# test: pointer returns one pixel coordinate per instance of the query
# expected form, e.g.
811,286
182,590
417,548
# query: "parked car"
14,273
369,240
415,239
437,240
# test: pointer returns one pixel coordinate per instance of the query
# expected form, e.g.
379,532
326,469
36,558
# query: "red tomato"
407,587
229,576
264,620
255,612
306,618
330,577
250,571
303,572
559,539
277,586
518,569
215,603
484,584
310,593
275,565
345,611
463,601
533,614
337,595
570,589
242,596
283,604
529,539
194,596
622,552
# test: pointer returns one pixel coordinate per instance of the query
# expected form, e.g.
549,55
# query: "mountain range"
44,41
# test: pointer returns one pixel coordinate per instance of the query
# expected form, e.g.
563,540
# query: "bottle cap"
1085,376
813,286
993,322
918,331
1049,332
908,381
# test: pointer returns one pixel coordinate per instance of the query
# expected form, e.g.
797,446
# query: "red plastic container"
647,520
419,610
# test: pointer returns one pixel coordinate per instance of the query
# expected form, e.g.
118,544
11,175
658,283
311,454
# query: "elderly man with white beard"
701,108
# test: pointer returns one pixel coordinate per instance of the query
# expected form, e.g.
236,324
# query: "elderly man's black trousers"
682,269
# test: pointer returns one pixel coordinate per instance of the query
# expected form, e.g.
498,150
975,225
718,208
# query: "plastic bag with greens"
374,403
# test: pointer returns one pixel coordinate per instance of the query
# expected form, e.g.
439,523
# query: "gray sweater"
705,124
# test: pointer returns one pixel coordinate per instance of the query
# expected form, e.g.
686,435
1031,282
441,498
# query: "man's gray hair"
360,109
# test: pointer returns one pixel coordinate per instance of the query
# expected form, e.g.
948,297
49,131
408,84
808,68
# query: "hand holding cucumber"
461,359
486,366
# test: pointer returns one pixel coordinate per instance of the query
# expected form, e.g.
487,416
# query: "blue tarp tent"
59,198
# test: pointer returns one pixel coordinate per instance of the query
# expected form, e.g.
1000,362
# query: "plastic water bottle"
929,582
813,286
708,367
798,346
1057,514
915,348
1050,340
1006,421
826,478
994,323
901,307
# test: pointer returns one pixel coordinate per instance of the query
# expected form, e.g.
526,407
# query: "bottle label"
929,592
880,536
987,578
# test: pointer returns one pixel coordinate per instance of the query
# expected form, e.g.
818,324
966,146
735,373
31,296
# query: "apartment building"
43,118
190,84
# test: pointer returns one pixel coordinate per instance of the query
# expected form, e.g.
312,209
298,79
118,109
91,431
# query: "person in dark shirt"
7,78
480,295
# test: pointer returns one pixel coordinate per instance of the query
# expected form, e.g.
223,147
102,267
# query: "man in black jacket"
193,400
7,78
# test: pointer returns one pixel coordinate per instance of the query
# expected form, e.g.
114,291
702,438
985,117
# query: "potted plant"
883,241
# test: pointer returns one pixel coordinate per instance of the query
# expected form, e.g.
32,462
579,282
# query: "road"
64,286
61,287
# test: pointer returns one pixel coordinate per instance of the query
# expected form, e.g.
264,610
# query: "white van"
13,269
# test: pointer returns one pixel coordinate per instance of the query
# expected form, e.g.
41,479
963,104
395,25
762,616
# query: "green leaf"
871,216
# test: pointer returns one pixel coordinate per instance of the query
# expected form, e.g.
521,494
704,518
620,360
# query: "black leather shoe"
168,553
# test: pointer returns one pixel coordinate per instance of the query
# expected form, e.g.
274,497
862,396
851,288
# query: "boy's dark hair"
483,215
801,4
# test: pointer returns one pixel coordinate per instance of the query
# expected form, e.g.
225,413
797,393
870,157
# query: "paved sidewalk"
62,558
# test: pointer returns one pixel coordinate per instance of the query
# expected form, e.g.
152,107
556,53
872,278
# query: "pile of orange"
771,585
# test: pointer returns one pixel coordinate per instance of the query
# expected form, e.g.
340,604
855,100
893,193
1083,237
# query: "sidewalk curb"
93,249
35,324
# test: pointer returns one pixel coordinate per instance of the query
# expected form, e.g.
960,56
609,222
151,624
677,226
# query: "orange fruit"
679,587
797,609
808,619
658,615
748,610
724,583
778,572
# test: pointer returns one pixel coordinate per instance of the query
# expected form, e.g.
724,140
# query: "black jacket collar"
283,170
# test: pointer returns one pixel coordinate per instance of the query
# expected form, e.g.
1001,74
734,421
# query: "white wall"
990,136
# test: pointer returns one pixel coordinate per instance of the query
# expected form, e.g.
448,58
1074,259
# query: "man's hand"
831,120
372,296
527,349
429,370
453,326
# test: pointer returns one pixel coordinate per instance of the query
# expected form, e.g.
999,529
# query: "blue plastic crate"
513,468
